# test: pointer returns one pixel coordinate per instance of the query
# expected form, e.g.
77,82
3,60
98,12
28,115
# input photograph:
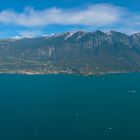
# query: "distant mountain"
72,52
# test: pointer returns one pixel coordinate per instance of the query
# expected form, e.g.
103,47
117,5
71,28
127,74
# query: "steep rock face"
86,51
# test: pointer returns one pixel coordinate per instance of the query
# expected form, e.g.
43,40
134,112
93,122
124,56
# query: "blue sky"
26,18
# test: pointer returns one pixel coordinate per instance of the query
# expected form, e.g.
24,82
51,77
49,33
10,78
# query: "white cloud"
95,15
99,16
27,34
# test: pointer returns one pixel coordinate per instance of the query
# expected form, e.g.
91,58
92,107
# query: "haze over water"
68,107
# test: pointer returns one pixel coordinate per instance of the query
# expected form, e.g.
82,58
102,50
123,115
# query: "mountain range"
80,52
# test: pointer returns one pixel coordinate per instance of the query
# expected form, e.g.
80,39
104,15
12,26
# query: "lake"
69,107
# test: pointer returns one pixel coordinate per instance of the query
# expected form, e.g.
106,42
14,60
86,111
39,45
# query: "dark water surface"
67,107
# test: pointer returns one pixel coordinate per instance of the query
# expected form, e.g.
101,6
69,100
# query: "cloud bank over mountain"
98,16
94,15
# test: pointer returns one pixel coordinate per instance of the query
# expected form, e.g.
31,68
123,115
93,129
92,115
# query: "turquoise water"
68,107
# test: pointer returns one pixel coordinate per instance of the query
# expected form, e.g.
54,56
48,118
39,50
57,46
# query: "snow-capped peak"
70,34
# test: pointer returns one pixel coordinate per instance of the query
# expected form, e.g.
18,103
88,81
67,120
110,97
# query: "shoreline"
31,73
